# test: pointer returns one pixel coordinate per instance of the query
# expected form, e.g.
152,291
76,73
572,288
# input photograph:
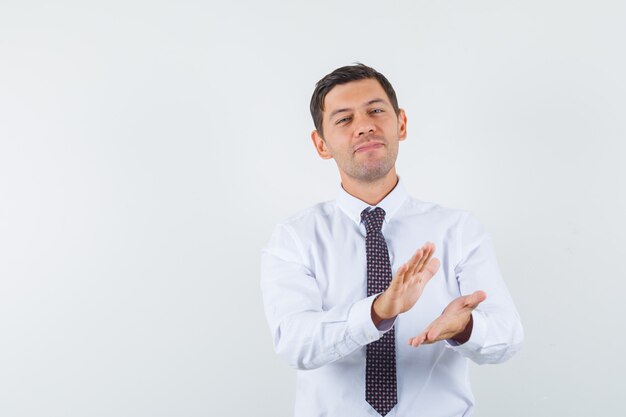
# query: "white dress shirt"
313,279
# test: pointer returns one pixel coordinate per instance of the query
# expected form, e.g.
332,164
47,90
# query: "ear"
402,125
320,145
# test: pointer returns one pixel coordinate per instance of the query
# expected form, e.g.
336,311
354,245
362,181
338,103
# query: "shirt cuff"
360,325
477,338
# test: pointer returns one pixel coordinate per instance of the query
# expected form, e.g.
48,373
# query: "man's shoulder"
414,206
304,225
461,221
312,214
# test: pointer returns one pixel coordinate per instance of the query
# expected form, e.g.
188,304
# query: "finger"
428,253
429,273
475,298
419,264
405,273
414,261
400,276
433,335
417,340
432,266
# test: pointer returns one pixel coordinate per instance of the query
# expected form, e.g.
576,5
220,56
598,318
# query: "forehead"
354,94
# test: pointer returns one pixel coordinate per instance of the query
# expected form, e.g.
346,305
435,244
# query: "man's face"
361,130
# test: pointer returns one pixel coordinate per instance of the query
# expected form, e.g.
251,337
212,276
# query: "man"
379,299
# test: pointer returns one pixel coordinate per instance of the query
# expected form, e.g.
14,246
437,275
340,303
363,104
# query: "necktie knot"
373,219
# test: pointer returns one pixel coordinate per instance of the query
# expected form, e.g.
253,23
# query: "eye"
377,111
342,120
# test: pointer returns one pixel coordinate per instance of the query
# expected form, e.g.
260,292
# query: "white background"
148,148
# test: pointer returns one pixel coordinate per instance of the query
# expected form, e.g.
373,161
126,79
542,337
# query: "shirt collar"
353,207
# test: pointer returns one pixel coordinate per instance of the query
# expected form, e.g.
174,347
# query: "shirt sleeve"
497,332
303,333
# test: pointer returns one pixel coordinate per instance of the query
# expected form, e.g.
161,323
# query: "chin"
373,173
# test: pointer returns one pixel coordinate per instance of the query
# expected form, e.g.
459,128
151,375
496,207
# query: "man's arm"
306,335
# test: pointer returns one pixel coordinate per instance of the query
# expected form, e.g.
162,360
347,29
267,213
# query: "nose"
364,126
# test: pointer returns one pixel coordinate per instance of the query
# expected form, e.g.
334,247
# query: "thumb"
475,298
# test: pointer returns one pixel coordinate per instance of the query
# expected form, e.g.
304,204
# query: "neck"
371,192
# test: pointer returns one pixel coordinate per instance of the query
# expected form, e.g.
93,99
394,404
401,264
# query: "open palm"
407,285
452,322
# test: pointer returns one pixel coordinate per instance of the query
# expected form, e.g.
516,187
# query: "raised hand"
454,323
407,285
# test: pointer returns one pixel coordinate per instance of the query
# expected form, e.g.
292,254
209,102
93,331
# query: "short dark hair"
344,75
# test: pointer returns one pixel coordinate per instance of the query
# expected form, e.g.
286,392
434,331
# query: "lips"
368,146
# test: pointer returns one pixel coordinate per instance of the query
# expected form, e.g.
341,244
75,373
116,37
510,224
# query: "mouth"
368,146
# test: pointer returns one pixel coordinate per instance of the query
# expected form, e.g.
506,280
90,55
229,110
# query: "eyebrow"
369,103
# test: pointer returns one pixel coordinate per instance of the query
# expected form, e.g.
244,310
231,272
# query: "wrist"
378,313
376,319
